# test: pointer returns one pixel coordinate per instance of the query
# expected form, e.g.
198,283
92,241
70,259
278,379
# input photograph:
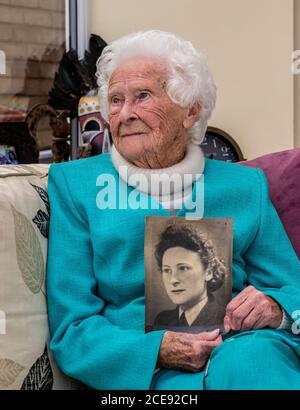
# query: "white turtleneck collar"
192,164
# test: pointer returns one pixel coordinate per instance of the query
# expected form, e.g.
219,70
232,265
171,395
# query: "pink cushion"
282,170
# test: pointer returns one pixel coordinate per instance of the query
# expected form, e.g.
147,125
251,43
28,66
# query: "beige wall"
248,44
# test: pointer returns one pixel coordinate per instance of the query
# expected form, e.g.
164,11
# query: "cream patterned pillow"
26,362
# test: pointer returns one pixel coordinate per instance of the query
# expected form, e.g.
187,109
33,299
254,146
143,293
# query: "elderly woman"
191,272
159,94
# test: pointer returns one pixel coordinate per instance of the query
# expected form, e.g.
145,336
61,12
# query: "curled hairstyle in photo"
187,237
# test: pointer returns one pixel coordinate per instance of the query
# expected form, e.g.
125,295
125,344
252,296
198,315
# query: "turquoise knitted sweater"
95,270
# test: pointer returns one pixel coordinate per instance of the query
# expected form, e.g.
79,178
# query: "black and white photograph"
188,273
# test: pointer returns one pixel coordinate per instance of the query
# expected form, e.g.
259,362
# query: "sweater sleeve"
272,265
85,344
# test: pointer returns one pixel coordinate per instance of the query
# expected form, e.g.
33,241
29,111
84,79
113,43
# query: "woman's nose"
127,112
174,278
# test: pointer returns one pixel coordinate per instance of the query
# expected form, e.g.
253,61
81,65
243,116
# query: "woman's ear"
192,115
208,275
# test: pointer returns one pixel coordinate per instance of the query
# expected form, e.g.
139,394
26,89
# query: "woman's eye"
143,95
115,100
184,268
166,270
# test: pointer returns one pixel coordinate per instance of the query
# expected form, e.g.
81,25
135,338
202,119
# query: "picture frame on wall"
16,144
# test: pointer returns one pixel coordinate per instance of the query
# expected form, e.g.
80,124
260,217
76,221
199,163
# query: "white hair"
189,78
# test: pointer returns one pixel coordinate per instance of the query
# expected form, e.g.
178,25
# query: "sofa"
26,362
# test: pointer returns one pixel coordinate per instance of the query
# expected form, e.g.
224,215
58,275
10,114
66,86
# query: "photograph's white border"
2,323
2,63
296,62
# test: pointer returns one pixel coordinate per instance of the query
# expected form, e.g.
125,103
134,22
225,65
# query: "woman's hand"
187,351
252,309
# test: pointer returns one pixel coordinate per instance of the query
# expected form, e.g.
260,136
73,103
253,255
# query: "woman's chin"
131,150
179,300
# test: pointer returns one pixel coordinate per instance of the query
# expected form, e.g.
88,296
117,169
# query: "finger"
259,317
241,313
234,322
227,326
261,323
209,346
250,321
217,342
211,343
209,335
238,300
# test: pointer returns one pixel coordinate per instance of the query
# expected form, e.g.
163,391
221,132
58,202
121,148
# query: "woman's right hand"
187,351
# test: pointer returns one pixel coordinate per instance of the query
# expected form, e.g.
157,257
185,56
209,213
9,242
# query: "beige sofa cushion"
25,359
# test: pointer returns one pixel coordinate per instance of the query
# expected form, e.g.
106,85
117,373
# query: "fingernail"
216,331
226,325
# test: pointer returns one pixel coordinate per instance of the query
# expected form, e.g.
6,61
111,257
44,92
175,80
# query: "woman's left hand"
250,310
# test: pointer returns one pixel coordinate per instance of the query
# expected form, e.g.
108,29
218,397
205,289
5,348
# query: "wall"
32,35
248,44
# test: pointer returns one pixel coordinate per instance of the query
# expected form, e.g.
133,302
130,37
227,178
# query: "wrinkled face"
184,276
143,119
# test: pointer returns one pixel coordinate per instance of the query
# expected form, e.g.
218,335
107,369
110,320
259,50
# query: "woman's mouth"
177,291
132,134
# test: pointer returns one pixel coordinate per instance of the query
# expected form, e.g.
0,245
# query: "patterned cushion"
282,170
25,360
